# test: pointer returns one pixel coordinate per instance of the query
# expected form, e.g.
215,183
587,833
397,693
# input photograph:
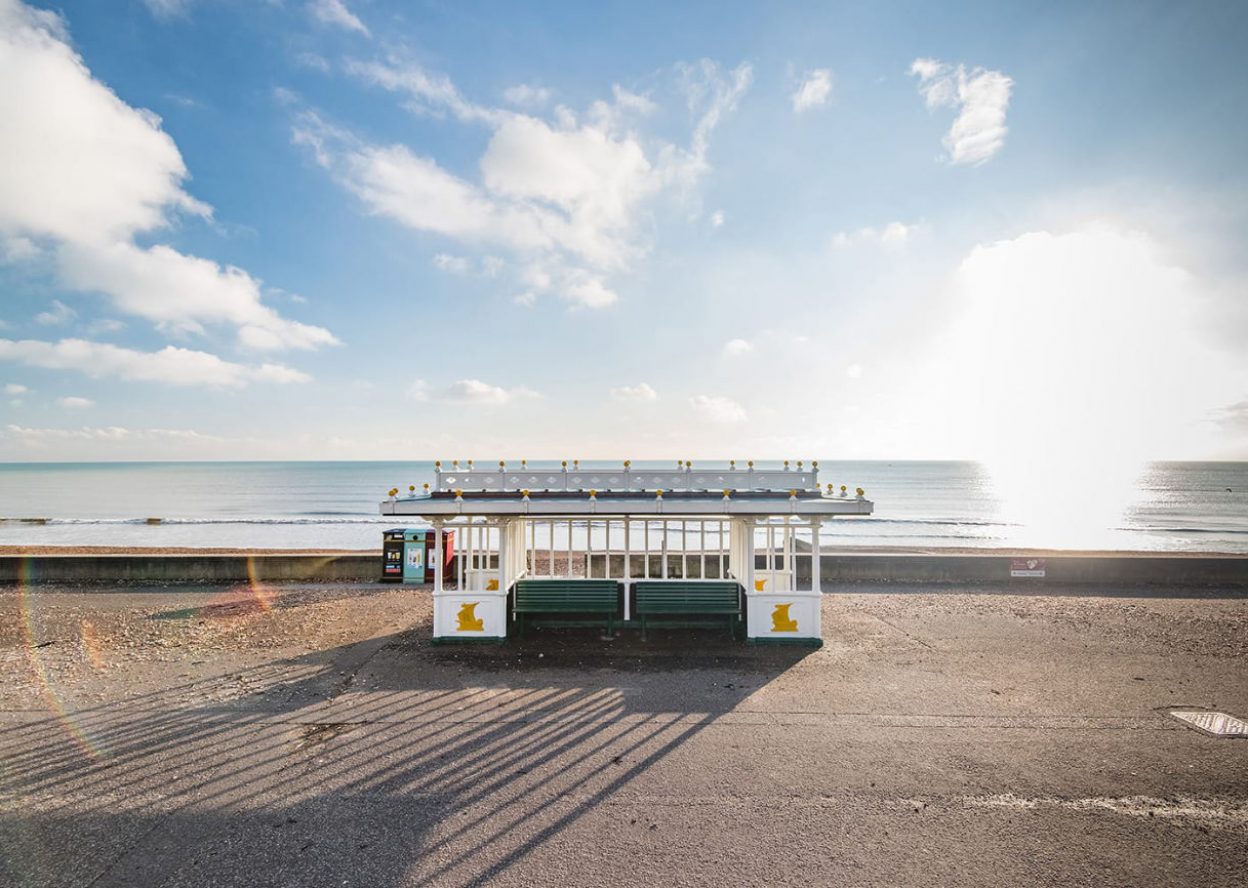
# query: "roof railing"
686,477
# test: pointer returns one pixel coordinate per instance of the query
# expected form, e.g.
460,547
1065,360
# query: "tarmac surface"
311,735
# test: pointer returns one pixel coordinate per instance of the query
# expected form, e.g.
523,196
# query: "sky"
362,229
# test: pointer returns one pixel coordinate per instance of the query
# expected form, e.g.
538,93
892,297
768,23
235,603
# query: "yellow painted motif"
468,619
491,585
759,584
780,619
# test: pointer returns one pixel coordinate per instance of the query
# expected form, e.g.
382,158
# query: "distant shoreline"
40,550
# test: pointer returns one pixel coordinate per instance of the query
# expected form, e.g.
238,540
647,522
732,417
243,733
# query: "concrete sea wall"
982,569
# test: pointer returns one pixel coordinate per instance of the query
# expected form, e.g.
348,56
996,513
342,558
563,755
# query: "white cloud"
1110,302
18,249
813,91
86,173
723,411
567,195
468,391
854,371
894,234
981,98
640,392
58,314
15,388
734,348
170,365
336,14
180,292
167,9
474,391
453,264
717,219
74,403
525,96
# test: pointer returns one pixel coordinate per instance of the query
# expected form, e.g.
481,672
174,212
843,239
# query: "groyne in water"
987,569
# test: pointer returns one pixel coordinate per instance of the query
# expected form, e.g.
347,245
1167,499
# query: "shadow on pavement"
380,763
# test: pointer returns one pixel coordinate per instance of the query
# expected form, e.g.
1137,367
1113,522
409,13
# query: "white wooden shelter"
759,528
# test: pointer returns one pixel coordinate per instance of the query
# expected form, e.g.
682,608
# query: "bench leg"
520,625
643,627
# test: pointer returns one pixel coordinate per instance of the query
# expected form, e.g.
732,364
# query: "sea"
1163,507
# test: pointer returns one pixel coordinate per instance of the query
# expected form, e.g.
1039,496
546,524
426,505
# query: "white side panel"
792,615
465,614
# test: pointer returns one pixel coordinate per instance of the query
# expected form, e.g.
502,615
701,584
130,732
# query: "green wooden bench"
566,596
671,598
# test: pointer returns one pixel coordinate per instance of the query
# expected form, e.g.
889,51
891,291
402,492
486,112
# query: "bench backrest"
691,597
566,594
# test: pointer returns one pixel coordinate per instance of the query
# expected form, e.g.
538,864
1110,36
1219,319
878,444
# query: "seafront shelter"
629,547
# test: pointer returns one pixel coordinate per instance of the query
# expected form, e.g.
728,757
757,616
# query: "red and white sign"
1027,567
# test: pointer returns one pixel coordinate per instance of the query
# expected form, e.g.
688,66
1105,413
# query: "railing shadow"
389,762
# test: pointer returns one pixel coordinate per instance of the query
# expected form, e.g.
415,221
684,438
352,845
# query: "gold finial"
688,464
455,463
393,491
732,463
525,493
726,492
792,494
627,463
799,465
861,492
786,463
501,464
564,464
470,465
459,494
658,494
814,463
437,464
593,494
750,464
524,464
411,488
576,463
426,487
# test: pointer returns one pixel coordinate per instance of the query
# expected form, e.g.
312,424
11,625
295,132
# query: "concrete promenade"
307,735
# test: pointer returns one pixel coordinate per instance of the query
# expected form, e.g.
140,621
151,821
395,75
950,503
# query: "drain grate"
1215,724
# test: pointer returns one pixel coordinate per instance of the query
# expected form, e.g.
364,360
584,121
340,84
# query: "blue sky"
363,229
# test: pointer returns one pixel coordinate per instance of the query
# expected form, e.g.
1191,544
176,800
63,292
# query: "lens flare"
34,647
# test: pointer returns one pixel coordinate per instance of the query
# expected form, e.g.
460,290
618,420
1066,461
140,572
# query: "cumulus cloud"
566,194
717,219
474,391
980,97
723,411
734,348
85,174
640,392
170,365
894,234
72,402
814,90
15,388
335,14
